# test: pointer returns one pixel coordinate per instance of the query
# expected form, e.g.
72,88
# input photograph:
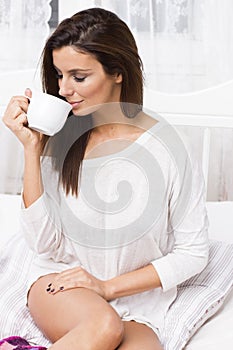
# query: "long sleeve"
41,224
188,223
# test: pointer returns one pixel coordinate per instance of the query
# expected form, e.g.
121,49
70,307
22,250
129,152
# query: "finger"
18,123
53,289
60,289
70,278
18,107
74,280
69,286
19,98
23,103
22,120
77,275
70,271
28,92
15,103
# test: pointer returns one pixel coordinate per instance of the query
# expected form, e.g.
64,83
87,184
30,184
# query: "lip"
75,103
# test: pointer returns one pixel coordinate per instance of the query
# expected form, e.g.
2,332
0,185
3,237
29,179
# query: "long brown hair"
104,35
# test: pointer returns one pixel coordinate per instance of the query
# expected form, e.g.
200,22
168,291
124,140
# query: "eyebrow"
74,70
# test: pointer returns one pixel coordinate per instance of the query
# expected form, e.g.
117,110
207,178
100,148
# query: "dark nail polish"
48,290
52,290
61,288
49,285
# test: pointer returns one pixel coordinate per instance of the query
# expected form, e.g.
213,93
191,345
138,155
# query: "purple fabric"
14,341
20,343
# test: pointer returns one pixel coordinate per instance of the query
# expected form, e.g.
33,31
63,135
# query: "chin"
80,113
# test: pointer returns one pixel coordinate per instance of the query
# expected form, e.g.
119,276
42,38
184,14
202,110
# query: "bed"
201,110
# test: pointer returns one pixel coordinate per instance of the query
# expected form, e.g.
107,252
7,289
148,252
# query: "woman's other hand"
15,118
77,277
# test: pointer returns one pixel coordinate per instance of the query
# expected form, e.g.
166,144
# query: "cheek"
92,90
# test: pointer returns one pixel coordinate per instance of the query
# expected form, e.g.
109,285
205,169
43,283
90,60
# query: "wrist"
108,290
34,147
32,152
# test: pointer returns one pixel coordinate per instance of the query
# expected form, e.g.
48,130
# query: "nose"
65,88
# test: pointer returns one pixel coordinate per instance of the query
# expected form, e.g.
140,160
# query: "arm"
15,119
39,220
32,180
138,281
188,223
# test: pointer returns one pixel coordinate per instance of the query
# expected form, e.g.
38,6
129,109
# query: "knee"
112,327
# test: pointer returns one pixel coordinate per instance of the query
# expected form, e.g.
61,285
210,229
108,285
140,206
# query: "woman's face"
83,82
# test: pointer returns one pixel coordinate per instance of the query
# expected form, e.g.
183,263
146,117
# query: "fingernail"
48,290
61,288
52,290
49,285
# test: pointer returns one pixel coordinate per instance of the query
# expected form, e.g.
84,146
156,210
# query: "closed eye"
79,80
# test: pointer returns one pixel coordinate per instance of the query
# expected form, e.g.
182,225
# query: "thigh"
57,314
138,336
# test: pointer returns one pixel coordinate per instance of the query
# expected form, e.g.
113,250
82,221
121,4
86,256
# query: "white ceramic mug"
47,113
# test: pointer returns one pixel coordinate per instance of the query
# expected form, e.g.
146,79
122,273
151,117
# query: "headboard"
207,109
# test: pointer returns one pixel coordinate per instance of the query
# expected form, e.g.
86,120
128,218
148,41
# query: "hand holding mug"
15,118
47,113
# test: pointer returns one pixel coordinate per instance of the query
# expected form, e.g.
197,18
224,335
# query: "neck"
110,120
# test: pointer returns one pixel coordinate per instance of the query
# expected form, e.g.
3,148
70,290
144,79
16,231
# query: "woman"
108,258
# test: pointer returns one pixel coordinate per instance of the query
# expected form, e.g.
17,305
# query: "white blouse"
142,205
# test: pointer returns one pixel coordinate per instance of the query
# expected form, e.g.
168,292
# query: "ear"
118,78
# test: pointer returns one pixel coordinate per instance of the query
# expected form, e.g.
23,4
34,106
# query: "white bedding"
9,209
216,333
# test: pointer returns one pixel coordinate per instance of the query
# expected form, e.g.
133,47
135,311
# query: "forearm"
32,183
134,282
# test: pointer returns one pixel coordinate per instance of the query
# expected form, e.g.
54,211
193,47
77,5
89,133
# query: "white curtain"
186,45
23,29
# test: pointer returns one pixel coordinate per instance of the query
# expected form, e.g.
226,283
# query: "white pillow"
200,297
9,216
220,220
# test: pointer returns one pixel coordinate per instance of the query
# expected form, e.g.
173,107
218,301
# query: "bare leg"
74,319
139,336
